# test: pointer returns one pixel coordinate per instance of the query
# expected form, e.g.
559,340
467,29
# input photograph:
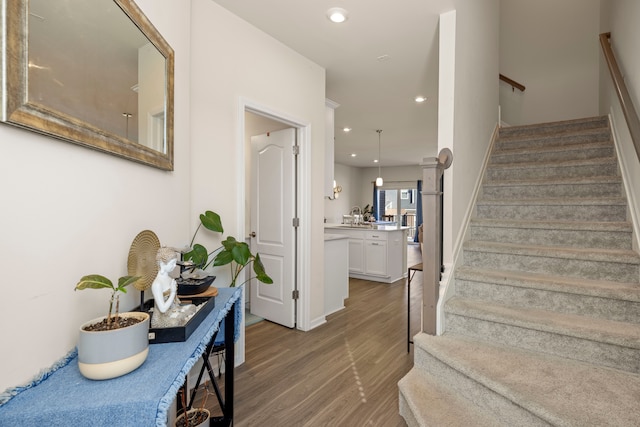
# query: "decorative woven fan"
142,259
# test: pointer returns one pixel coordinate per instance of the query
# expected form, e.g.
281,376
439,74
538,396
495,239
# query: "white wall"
466,120
390,174
231,62
349,178
357,187
475,95
68,211
620,17
552,48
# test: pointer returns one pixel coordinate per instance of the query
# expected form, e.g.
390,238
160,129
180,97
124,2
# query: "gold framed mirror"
96,73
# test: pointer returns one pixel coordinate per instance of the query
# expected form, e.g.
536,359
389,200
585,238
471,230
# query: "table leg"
229,362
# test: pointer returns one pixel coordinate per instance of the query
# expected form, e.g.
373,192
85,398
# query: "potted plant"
115,344
232,252
193,279
195,417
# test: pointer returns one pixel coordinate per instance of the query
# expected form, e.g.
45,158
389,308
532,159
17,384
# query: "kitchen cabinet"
375,254
356,254
336,272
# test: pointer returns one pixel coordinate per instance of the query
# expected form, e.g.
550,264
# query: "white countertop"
329,237
364,228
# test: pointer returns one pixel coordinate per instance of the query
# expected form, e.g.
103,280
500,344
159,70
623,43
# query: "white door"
273,235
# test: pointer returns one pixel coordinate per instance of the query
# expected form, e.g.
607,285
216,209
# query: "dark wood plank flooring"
343,373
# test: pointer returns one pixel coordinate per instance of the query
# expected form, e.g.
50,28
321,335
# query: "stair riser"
569,347
482,396
510,192
580,268
405,411
575,153
543,212
561,302
508,143
542,171
557,127
554,237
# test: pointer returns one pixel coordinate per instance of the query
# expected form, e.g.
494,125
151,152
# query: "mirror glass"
96,73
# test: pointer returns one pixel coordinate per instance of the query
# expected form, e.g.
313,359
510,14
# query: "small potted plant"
195,417
115,344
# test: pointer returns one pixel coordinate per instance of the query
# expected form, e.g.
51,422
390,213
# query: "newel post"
432,171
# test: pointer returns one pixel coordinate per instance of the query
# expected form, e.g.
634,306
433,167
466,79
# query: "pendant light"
379,181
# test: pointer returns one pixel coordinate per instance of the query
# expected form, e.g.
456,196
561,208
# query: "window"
397,204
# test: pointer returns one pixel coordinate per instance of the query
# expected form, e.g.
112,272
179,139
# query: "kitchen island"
377,253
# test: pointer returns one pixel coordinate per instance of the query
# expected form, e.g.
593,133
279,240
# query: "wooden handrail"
626,103
514,84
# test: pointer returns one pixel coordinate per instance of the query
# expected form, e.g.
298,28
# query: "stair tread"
566,137
557,201
624,226
591,125
562,392
497,182
600,288
595,329
626,256
432,403
511,151
598,161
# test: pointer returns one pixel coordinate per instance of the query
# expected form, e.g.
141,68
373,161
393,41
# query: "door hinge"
296,150
295,294
296,222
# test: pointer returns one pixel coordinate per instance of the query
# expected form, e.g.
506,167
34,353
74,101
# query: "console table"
63,397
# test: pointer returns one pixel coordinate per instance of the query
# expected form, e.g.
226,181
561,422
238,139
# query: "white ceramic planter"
109,354
206,423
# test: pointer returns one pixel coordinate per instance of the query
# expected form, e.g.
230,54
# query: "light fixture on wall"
379,180
336,191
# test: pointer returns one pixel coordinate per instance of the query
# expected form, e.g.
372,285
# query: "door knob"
253,234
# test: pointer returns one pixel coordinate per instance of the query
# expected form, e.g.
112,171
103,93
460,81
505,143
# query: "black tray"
180,333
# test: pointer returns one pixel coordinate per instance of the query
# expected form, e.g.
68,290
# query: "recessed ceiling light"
353,154
420,98
337,15
375,161
346,129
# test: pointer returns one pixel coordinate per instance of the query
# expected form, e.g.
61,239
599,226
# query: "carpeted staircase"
544,327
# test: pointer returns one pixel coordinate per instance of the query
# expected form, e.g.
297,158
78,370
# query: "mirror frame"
17,110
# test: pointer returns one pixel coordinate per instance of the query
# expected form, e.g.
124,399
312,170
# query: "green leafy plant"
238,256
96,281
198,253
232,252
367,213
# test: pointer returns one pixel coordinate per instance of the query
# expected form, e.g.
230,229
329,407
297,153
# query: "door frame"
303,196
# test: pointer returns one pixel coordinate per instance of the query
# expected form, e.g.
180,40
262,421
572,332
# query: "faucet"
356,214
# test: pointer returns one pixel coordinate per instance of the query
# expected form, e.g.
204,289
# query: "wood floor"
343,373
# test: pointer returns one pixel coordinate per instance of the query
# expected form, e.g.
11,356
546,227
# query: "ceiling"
376,62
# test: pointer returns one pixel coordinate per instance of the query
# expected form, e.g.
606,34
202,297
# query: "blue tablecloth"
63,397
